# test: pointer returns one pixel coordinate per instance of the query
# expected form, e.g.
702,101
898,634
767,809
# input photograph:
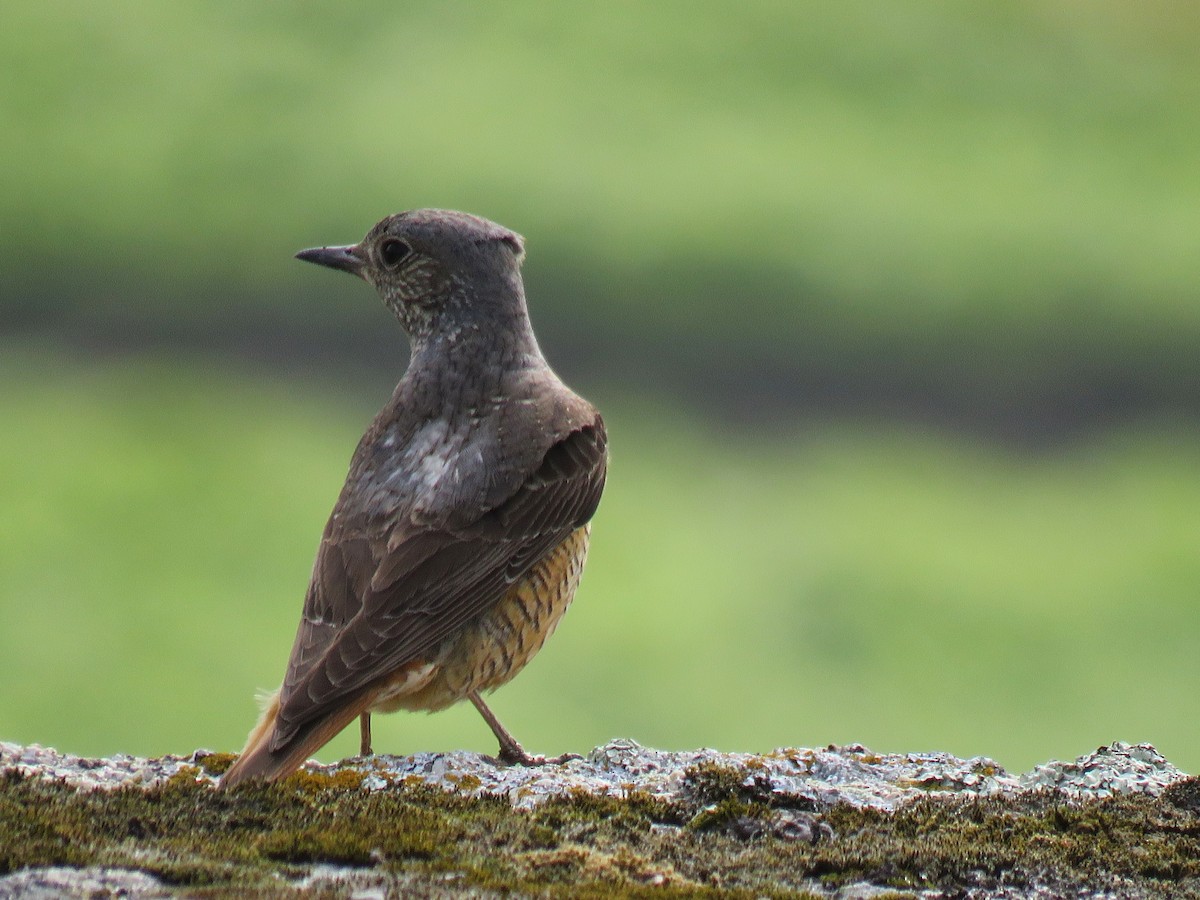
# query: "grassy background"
838,584
981,204
892,312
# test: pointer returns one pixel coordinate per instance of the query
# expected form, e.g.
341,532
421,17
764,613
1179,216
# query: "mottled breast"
490,651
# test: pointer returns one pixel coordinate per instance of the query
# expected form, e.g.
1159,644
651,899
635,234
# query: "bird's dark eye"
392,251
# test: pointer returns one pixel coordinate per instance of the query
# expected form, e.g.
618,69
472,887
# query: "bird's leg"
511,753
364,735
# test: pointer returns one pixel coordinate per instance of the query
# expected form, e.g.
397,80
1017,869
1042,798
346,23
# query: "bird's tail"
259,761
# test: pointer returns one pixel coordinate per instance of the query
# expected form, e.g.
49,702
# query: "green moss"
469,782
713,782
730,815
216,763
316,782
257,837
1185,794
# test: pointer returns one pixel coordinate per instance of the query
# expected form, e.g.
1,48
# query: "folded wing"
381,599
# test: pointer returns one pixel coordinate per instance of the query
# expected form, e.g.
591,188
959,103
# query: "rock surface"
848,774
774,805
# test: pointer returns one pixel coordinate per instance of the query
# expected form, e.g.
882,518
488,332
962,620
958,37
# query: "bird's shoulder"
506,487
443,468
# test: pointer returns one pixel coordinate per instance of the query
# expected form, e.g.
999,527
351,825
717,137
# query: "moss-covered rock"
726,833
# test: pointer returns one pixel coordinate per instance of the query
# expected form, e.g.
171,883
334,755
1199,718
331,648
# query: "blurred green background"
891,311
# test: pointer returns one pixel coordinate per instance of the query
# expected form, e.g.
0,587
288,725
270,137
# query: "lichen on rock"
836,821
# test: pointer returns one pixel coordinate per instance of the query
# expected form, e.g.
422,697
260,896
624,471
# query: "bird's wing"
410,589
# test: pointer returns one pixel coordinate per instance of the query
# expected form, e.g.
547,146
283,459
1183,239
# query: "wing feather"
376,604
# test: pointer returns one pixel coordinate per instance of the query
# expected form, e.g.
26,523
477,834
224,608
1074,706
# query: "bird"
460,535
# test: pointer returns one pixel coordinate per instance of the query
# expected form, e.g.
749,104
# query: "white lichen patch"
1119,768
116,771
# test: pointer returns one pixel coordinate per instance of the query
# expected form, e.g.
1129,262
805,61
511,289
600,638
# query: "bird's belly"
495,647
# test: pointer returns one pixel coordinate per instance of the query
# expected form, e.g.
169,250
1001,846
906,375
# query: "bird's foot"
511,753
516,755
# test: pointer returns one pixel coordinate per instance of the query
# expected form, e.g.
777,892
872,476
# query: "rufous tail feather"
258,761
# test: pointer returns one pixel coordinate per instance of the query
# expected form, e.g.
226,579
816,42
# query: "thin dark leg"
512,753
364,735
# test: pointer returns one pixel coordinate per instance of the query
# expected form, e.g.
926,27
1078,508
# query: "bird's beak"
348,259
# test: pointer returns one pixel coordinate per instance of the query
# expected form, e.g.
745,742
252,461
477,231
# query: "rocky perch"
625,820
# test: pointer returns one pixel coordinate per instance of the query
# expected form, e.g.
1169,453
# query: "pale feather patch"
432,469
268,704
410,680
425,460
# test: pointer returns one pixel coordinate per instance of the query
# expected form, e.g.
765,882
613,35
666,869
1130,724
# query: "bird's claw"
517,756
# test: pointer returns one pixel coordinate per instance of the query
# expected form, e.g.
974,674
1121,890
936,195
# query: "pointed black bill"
344,258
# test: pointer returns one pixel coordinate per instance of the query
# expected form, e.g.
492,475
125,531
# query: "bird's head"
436,266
